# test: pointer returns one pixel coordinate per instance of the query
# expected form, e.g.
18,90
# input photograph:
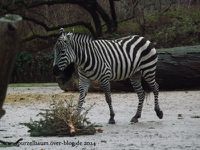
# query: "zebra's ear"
69,35
61,31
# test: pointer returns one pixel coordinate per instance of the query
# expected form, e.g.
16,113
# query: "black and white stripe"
131,57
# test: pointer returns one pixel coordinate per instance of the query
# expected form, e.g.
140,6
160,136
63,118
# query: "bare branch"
38,36
36,3
46,37
92,6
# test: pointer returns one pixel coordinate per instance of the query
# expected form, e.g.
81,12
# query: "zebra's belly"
110,73
122,75
120,78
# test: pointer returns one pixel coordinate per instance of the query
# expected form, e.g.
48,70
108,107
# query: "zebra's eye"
62,51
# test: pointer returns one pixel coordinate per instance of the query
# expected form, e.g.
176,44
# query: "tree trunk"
113,14
9,42
178,68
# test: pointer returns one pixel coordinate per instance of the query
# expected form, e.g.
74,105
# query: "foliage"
175,27
129,27
61,120
30,67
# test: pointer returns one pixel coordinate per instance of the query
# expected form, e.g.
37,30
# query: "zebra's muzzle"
66,74
62,77
56,71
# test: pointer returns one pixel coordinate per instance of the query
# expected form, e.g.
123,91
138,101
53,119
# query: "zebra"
132,57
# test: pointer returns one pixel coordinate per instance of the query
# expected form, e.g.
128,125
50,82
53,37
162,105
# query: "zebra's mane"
83,37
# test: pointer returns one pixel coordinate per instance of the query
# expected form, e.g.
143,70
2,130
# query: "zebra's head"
63,53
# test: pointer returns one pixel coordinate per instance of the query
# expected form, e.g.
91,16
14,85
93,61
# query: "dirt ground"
179,128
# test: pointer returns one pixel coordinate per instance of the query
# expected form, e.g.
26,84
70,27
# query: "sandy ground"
179,129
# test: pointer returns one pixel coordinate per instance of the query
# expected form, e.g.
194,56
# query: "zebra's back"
125,56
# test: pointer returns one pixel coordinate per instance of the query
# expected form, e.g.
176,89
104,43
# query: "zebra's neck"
81,43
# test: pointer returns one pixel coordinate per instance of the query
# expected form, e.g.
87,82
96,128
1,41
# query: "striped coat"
130,57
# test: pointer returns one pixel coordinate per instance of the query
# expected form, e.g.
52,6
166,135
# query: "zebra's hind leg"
136,83
106,88
155,88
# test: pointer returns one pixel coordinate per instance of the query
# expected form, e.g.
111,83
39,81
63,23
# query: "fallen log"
178,68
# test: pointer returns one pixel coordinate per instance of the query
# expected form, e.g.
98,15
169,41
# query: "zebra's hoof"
159,113
111,121
134,120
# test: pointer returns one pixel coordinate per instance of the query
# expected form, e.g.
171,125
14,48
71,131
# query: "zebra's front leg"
106,88
84,84
136,83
